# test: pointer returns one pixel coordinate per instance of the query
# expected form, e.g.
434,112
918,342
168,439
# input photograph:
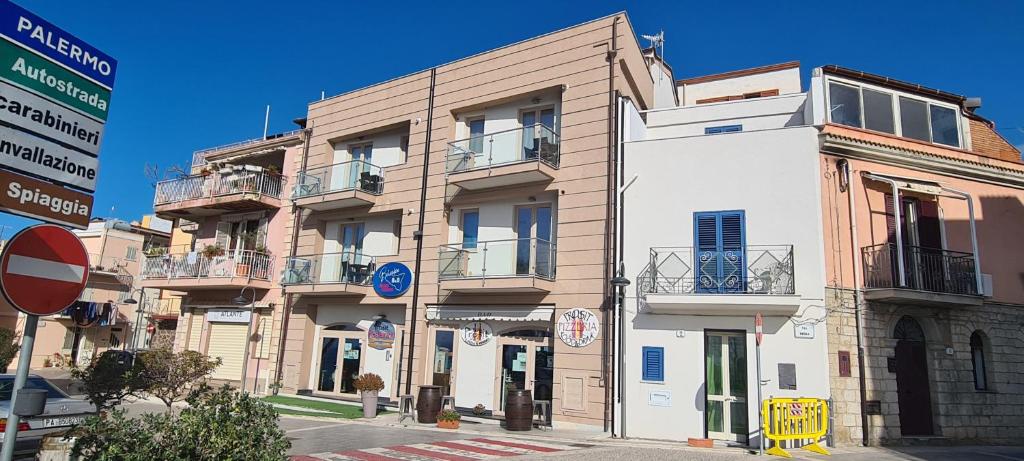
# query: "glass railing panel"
338,177
530,143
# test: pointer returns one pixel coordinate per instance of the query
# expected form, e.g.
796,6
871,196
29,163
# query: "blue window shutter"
720,251
654,363
723,129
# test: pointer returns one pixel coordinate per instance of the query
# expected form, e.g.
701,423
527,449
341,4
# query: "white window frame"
897,120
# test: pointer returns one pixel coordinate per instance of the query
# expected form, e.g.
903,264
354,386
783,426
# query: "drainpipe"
899,228
289,299
418,235
609,253
858,300
974,235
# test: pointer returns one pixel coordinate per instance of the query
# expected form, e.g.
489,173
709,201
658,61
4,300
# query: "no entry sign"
43,269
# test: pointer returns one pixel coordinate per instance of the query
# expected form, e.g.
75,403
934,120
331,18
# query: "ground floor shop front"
696,376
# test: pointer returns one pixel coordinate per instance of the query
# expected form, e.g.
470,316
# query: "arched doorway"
912,378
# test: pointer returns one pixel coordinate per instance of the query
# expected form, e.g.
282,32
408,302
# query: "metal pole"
760,405
28,340
248,334
138,319
263,340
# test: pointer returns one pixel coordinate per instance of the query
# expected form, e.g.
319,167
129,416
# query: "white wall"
787,81
379,240
503,117
753,114
381,362
664,85
497,225
475,372
774,176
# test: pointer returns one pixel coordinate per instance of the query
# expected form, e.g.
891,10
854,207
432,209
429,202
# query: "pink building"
921,198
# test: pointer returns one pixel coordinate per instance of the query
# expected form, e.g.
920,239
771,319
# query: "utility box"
30,402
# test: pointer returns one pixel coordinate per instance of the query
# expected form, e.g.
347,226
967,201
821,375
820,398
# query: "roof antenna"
266,122
657,42
321,95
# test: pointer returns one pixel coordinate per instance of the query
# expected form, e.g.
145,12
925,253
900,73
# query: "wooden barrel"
428,404
518,410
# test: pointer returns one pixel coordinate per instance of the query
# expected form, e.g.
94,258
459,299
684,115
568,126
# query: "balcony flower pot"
448,419
242,270
369,386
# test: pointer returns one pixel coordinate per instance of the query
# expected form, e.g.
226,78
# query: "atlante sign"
37,199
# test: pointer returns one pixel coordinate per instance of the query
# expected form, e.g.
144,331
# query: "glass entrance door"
341,360
444,358
514,366
526,361
533,244
726,375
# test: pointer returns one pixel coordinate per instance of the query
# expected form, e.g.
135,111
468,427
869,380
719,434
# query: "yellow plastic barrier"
795,419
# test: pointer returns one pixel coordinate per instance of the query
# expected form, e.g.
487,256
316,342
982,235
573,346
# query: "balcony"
930,276
342,185
686,280
109,269
499,266
164,308
329,274
233,269
212,194
505,158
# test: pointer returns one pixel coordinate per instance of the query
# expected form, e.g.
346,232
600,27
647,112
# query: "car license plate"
64,421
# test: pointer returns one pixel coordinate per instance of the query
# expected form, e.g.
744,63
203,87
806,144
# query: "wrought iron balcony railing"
755,269
352,175
344,267
164,307
530,257
235,263
213,185
924,269
530,143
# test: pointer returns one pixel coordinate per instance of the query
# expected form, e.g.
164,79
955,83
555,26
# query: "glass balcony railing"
754,269
531,257
215,184
344,267
530,143
235,263
924,269
353,175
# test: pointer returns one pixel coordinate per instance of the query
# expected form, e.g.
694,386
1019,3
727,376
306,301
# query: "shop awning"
503,313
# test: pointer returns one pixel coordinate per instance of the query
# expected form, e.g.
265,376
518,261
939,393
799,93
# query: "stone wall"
961,413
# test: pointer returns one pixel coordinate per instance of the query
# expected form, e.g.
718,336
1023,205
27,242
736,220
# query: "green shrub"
219,425
8,347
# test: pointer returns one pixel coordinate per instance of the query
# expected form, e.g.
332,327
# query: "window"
470,228
914,119
873,109
131,253
844,104
878,111
653,363
719,250
723,129
944,130
476,135
978,361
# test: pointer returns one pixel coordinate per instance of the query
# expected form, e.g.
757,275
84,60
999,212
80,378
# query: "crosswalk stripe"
365,455
432,454
517,445
474,448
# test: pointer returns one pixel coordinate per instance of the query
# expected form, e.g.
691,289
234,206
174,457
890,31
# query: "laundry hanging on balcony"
88,314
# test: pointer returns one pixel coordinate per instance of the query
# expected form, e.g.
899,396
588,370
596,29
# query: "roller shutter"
227,341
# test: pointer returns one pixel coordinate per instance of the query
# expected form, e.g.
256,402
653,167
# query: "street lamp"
138,317
242,300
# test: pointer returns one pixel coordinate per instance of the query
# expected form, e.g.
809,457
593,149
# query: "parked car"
60,414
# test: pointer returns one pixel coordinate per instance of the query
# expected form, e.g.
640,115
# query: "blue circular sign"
392,280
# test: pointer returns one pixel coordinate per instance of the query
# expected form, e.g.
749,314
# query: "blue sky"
198,74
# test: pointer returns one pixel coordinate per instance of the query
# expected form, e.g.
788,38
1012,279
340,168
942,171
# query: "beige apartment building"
489,178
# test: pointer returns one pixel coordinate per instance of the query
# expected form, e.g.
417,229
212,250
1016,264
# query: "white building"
722,222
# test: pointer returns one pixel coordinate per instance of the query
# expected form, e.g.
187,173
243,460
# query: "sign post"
758,338
43,270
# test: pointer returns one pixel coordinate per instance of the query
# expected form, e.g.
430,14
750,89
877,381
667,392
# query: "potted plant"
448,419
479,409
369,385
212,251
272,170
